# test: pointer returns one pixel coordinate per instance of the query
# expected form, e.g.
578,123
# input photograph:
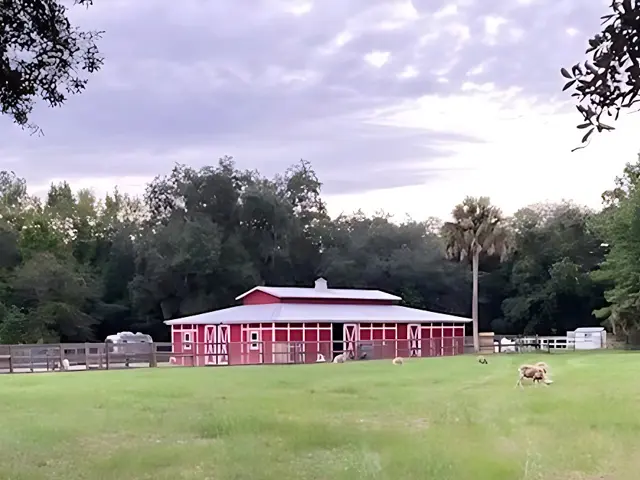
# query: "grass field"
447,418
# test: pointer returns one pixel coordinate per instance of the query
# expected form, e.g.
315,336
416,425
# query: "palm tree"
477,227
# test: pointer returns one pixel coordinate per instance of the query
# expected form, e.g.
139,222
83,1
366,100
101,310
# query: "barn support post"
106,355
86,356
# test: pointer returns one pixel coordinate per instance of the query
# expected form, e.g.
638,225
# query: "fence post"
86,356
10,358
61,353
106,355
153,361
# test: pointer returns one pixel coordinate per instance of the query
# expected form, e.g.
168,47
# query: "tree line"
74,267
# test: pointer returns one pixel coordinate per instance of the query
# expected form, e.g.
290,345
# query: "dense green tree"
74,267
403,258
619,227
550,290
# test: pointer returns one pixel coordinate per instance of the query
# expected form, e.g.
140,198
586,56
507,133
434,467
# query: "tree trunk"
474,303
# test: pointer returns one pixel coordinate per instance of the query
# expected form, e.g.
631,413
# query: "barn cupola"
321,284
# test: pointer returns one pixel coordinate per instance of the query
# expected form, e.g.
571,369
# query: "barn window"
254,338
187,338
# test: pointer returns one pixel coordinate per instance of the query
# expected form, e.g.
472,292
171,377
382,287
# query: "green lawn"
447,418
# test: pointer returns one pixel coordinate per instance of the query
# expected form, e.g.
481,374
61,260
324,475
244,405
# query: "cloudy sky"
404,105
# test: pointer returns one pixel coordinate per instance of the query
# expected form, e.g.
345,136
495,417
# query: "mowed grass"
446,418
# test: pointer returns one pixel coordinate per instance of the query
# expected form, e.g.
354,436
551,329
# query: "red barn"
297,325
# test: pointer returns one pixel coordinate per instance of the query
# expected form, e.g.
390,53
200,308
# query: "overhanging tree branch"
42,56
610,80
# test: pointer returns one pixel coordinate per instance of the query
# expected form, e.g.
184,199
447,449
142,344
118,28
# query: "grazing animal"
343,357
398,361
482,360
535,372
65,364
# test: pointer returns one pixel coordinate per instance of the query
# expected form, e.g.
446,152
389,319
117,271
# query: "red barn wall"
260,298
301,343
283,343
184,344
336,301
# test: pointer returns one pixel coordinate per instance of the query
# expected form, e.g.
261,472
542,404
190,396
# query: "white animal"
398,361
320,358
65,364
343,357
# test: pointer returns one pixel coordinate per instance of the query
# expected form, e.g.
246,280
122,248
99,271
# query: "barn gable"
319,293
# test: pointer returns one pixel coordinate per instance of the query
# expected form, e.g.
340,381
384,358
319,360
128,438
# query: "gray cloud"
193,80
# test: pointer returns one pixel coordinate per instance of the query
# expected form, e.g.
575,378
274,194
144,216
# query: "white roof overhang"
315,313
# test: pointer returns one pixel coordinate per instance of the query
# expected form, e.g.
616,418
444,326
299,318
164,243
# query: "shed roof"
312,313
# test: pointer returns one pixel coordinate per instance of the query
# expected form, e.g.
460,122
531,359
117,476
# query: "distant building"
294,325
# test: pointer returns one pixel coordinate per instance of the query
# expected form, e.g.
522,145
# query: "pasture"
437,419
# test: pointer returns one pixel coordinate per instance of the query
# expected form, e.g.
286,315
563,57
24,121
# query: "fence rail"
509,343
293,352
80,356
109,356
523,344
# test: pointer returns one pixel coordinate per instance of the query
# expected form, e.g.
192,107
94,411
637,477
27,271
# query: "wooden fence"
81,356
109,356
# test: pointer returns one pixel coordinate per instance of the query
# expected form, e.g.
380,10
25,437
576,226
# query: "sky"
404,106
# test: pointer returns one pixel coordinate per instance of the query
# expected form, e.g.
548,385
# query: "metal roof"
322,291
312,313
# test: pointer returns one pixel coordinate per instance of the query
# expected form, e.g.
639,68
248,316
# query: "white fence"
589,339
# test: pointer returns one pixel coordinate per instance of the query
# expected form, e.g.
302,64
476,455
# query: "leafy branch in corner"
610,80
42,56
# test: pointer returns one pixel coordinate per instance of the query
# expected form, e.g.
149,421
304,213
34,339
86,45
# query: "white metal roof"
329,293
305,313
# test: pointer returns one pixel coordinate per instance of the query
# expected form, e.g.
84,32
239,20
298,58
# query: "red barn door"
216,341
350,338
415,340
223,345
210,345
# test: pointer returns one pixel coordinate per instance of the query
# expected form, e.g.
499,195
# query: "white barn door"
415,340
210,345
223,344
350,338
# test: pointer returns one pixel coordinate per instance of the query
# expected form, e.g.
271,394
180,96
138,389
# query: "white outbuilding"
590,338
